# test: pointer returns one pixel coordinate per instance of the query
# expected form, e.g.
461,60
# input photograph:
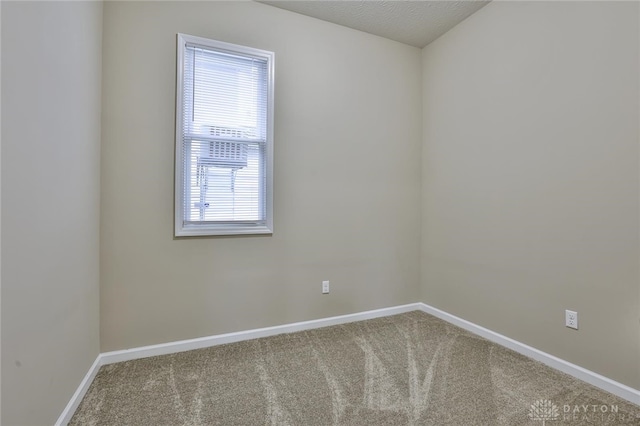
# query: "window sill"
222,230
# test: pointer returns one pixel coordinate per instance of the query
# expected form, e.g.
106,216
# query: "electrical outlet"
325,287
571,319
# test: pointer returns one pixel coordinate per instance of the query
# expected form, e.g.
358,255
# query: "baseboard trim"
75,400
221,339
595,379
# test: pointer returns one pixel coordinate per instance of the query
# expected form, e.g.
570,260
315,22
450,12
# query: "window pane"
225,181
226,93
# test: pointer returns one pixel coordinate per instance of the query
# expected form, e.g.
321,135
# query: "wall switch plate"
325,287
571,319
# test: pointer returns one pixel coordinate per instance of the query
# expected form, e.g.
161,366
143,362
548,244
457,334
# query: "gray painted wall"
530,178
51,79
347,178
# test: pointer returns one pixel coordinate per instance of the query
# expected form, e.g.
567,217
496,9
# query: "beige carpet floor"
407,369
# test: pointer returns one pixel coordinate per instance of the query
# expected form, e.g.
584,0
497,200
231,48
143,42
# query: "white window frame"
212,229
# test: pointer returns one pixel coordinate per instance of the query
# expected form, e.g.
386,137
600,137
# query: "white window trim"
180,229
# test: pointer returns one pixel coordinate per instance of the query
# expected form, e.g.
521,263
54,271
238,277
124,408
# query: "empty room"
320,213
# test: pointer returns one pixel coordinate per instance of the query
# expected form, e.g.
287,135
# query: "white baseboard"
595,379
73,404
221,339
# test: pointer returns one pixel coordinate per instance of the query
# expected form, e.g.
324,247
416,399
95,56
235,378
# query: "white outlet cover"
571,319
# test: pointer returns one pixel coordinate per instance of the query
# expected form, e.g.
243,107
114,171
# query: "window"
224,139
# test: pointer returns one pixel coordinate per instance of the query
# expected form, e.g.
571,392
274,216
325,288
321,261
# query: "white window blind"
224,138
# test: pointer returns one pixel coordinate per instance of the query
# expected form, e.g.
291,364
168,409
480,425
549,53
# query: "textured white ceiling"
416,23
